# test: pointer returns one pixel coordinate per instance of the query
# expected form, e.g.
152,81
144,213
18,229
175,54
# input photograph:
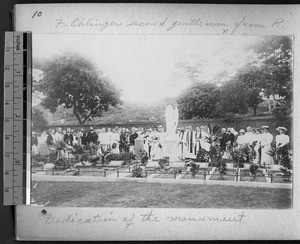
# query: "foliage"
280,158
64,163
232,100
194,169
222,168
138,172
213,134
163,162
283,115
198,101
215,154
144,156
38,120
242,155
252,79
254,170
73,81
202,156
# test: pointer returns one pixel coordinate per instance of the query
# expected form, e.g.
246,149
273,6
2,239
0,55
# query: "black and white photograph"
162,121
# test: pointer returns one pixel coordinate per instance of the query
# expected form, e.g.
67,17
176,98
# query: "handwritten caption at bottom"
133,218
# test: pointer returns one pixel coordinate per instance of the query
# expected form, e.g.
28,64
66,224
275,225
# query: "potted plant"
163,163
243,156
194,169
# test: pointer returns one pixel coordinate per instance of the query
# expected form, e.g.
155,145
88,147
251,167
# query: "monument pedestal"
170,149
138,147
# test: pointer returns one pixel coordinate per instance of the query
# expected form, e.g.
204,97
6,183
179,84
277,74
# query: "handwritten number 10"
37,13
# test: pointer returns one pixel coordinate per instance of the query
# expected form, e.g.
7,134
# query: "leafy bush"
242,155
281,158
64,163
202,156
194,169
163,162
144,156
138,171
254,170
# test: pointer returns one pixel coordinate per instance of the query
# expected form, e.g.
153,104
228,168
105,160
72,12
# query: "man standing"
92,136
224,139
132,137
68,137
197,138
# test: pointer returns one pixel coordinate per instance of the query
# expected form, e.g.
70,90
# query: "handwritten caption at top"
166,24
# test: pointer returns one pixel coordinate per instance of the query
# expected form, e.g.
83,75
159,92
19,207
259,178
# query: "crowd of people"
119,140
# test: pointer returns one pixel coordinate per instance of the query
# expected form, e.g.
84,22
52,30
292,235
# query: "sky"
148,68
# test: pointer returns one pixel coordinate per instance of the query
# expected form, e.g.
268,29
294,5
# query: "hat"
265,127
91,128
242,131
281,128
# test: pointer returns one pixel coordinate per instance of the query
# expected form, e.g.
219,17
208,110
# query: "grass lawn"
157,195
196,177
230,175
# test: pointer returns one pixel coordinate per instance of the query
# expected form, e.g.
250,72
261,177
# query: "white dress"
203,141
266,140
282,140
156,151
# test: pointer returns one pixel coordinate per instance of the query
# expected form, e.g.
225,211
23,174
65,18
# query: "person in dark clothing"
133,136
50,138
230,136
224,139
91,136
68,137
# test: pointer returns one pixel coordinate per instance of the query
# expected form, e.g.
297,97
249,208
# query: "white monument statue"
171,140
171,116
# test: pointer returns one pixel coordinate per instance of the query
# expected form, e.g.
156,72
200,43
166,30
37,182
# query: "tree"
198,101
74,82
252,78
38,120
233,100
275,57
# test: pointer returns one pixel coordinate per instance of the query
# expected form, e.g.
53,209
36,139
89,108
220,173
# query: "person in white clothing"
249,135
115,137
242,140
266,140
203,141
58,137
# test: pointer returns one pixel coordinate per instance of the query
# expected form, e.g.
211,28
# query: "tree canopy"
269,75
198,101
74,82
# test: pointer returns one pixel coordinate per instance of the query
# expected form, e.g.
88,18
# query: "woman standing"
266,140
282,140
156,152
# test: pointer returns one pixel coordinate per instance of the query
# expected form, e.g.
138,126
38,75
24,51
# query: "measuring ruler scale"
17,117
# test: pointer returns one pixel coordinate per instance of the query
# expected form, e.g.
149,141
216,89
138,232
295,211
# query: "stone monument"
171,140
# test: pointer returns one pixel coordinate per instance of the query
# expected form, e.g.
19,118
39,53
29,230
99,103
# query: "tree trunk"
91,113
254,110
78,117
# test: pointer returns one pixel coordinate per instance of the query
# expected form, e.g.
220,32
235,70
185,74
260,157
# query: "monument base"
171,149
